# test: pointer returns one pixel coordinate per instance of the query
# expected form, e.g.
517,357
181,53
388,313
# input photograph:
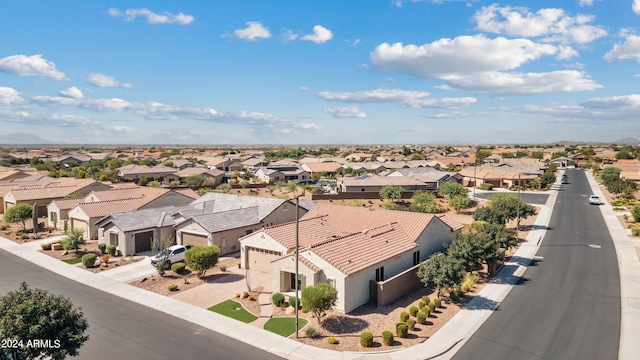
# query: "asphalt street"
121,329
567,305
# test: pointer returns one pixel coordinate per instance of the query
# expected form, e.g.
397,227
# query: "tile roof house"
134,172
499,175
221,219
270,174
216,175
428,174
347,247
375,183
330,168
99,204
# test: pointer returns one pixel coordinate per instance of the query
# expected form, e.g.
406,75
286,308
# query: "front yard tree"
29,314
460,202
73,239
160,247
318,299
391,192
19,214
441,270
201,258
450,189
504,207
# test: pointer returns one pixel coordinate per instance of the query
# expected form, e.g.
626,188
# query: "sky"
320,72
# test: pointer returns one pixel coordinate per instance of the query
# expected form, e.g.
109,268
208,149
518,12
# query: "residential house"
360,157
221,219
134,172
372,167
330,168
254,162
499,175
431,174
273,174
375,183
216,176
354,249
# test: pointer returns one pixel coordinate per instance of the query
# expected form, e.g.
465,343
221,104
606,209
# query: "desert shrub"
437,302
402,329
105,258
426,310
251,298
454,296
89,260
485,186
178,267
277,299
223,267
411,323
366,339
311,332
387,337
421,304
404,316
413,310
24,236
635,212
426,299
332,340
172,287
293,301
469,281
635,231
432,306
46,246
421,317
103,248
111,250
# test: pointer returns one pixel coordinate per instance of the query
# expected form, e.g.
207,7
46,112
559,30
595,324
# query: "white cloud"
304,88
33,65
585,2
598,109
453,58
119,128
346,112
153,18
478,64
320,35
627,50
552,25
498,83
306,126
415,99
253,31
10,96
72,92
102,80
399,3
289,35
636,6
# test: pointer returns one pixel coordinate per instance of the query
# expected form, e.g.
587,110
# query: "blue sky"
320,72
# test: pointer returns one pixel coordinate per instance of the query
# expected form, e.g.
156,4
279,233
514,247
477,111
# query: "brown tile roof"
187,192
353,238
198,171
377,180
42,193
67,204
104,208
149,193
330,166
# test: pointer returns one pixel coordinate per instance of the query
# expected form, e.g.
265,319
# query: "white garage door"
194,239
79,224
260,259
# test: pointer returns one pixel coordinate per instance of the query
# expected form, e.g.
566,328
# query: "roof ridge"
110,201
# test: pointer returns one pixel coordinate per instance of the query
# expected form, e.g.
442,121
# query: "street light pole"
518,207
475,179
297,259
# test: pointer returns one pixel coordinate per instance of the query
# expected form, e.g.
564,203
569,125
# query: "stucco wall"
282,280
259,240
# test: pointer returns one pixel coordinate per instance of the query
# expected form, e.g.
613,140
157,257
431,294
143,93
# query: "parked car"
595,200
565,180
171,255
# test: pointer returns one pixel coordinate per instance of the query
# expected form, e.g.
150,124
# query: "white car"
172,255
595,200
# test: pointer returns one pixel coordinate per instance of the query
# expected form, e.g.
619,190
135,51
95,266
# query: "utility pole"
518,211
297,260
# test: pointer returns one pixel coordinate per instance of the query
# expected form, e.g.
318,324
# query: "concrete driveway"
224,288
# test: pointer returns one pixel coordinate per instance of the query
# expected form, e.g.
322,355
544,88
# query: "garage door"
79,224
260,259
194,239
143,241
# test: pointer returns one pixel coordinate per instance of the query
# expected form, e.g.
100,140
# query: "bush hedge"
277,299
402,329
485,186
387,338
111,250
635,231
103,248
172,287
411,324
426,310
178,267
46,246
332,340
404,316
421,317
426,299
366,339
432,306
294,301
88,260
413,310
437,302
421,304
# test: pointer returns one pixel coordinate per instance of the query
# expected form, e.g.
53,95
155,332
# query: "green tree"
537,155
450,189
609,174
28,314
558,154
161,247
19,214
504,237
223,188
318,299
482,154
391,192
114,163
624,153
423,197
441,270
460,202
73,239
635,212
201,258
504,207
195,180
547,179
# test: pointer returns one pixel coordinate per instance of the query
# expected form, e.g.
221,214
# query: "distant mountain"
22,139
627,140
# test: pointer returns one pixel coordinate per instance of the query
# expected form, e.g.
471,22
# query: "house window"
54,217
332,282
416,257
380,274
285,207
293,281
